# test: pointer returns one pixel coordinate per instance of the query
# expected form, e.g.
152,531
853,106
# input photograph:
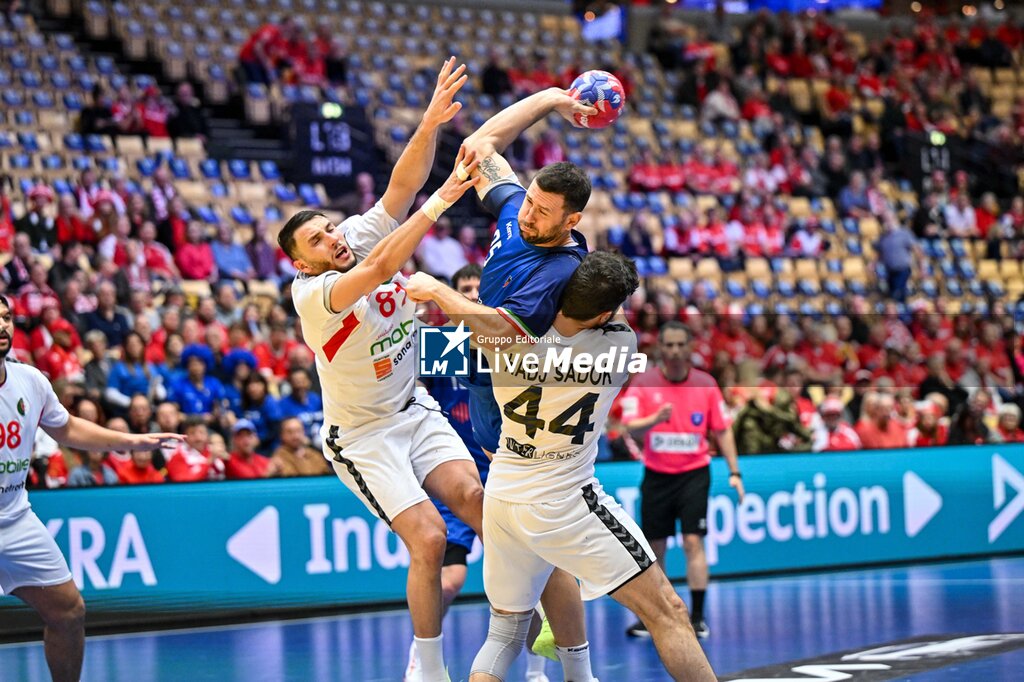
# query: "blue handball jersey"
524,283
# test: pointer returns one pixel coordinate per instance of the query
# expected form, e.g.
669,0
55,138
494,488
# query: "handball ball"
602,90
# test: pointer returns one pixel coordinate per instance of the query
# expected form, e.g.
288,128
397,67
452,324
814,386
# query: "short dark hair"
568,180
602,282
6,303
468,271
286,237
677,326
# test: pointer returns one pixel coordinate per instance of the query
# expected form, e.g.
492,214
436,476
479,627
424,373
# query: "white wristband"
435,206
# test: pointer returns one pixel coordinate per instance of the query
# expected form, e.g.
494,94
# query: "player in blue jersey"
533,253
453,397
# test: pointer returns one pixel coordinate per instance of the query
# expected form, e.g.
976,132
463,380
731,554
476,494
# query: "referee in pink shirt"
673,407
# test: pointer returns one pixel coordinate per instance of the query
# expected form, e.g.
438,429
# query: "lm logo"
444,351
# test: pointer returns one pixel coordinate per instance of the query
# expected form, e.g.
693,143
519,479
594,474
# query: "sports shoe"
413,671
537,677
701,628
637,629
544,645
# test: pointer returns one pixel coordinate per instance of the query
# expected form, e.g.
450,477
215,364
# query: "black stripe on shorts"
621,533
332,443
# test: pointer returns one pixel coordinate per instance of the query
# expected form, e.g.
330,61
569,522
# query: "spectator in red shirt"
272,354
831,432
930,429
244,463
878,429
646,174
548,150
191,460
154,112
69,224
61,361
195,257
1008,426
141,469
263,50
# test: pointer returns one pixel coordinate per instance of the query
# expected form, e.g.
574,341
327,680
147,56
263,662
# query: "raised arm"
84,435
413,167
501,129
392,252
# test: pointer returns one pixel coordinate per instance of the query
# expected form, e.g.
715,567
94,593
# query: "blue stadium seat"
657,265
269,171
853,246
74,142
958,248
995,289
218,190
284,193
641,267
273,213
95,144
808,288
834,288
967,269
25,184
760,289
43,99
954,288
754,309
207,215
735,289
976,288
146,167
210,169
309,196
6,141
948,269
239,169
851,226
110,164
13,98
179,169
807,309
828,227
783,309
52,162
686,288
105,65
61,186
929,288
28,141
637,200
833,308
20,161
80,163
856,287
18,60
241,215
785,289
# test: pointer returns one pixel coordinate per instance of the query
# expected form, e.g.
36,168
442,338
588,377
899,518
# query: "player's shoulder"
616,328
24,374
699,377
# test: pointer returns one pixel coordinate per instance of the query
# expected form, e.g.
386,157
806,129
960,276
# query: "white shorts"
385,461
29,556
589,535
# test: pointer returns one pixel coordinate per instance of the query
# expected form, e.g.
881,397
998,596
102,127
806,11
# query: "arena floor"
813,626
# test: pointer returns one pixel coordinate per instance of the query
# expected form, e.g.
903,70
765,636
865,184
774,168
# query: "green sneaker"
544,645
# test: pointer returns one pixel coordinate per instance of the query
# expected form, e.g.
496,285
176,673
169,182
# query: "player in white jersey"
387,439
543,507
31,566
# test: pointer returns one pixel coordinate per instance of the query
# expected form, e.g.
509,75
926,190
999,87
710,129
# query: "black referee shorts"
667,498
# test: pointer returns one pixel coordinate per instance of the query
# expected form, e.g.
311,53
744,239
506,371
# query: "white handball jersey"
365,354
26,402
551,420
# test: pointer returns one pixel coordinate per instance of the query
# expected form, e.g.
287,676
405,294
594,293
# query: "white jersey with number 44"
551,420
365,354
26,402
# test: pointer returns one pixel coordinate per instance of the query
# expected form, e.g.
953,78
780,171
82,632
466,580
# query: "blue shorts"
485,415
458,532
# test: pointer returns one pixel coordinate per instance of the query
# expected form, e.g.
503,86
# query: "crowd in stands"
287,53
100,276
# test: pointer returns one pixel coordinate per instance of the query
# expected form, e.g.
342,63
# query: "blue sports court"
755,623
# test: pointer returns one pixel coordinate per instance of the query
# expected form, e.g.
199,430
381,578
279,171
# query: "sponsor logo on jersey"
675,443
444,351
21,407
522,449
392,339
383,368
14,466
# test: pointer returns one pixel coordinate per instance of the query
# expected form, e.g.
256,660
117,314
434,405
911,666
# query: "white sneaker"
413,671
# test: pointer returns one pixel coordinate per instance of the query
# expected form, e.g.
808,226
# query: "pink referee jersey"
681,443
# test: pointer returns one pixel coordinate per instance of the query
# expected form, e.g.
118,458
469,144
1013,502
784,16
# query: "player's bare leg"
457,484
63,612
563,607
652,597
423,532
696,562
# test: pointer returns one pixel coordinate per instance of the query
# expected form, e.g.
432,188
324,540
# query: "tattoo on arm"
490,170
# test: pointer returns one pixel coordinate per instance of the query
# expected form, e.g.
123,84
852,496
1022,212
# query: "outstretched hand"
442,107
152,441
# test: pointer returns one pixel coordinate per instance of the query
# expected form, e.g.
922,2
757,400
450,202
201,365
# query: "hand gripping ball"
602,90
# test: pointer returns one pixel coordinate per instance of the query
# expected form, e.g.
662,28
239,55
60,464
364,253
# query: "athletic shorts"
385,462
588,534
29,556
667,498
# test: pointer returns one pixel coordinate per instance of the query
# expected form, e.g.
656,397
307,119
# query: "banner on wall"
309,543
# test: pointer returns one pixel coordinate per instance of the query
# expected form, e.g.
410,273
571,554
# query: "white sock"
575,662
414,657
534,663
432,657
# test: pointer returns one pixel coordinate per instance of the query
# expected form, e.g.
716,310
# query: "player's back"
554,413
26,401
